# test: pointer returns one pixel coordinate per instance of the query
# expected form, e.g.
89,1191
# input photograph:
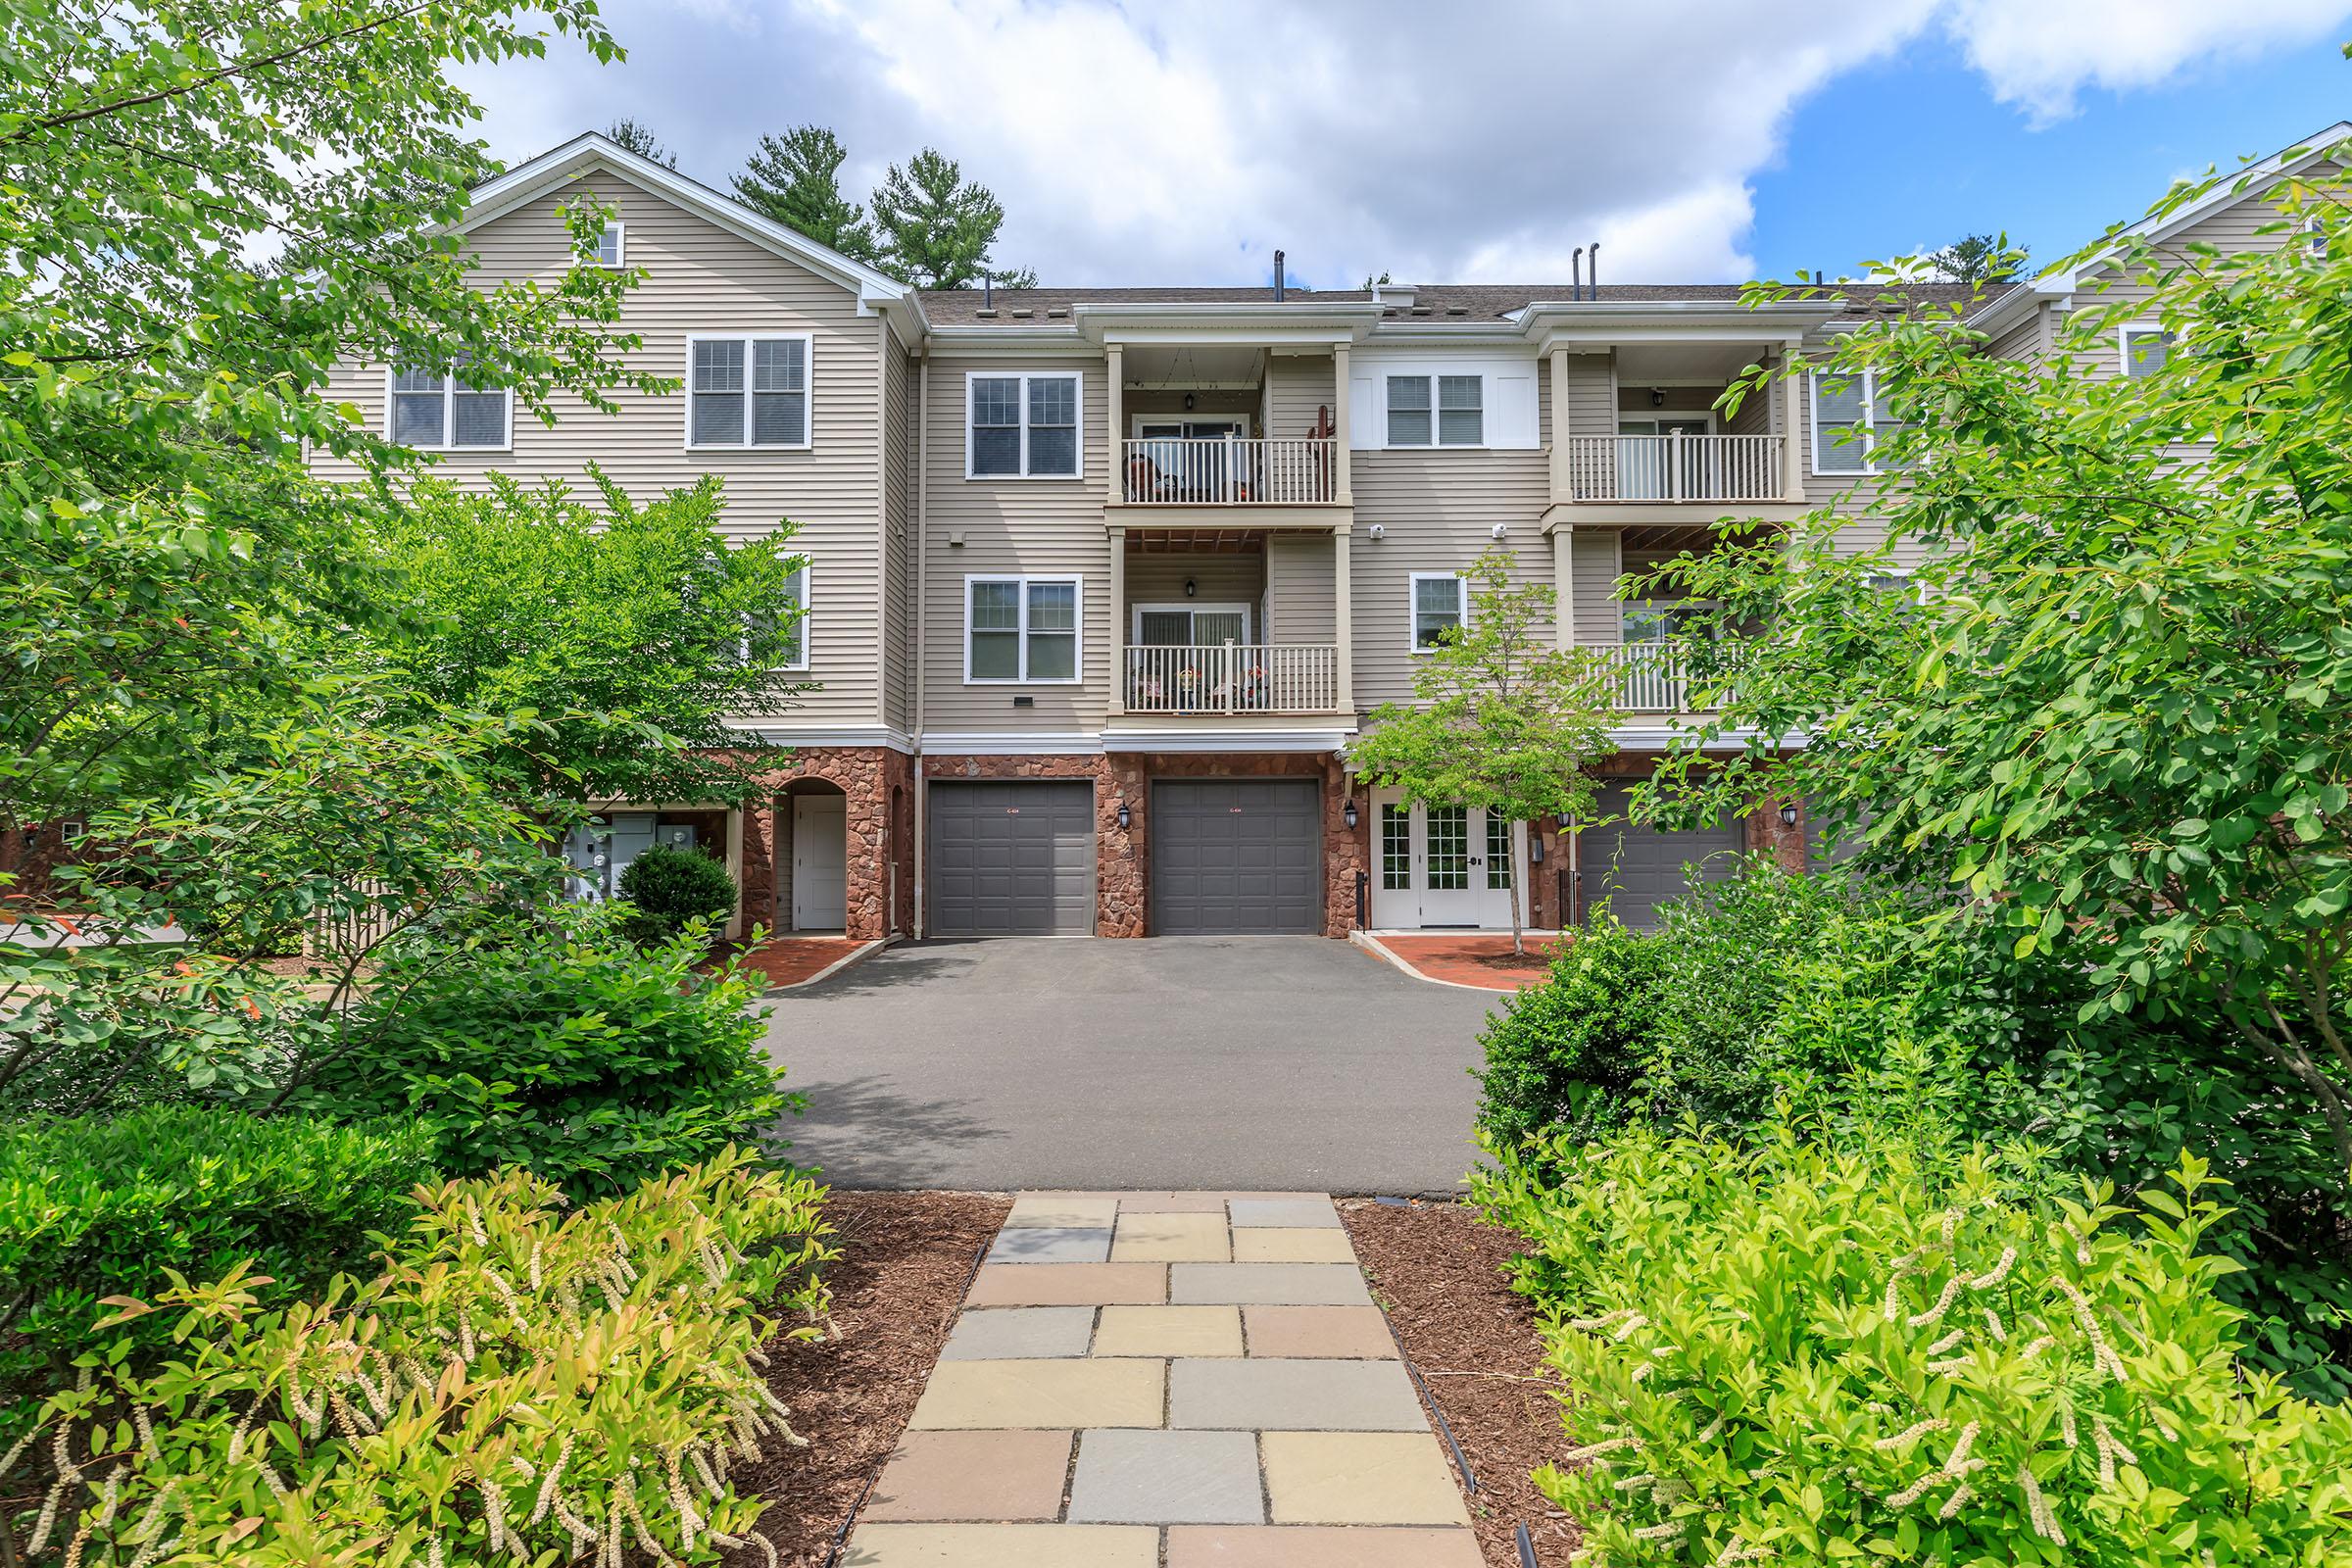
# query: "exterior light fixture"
1534,848
1123,817
1788,813
1191,588
1347,812
1657,397
1188,403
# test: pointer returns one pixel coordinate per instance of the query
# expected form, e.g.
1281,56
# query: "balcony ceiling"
1185,366
1195,541
1638,363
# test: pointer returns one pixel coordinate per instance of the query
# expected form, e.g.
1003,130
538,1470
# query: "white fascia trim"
2006,309
1011,742
534,177
1226,740
779,732
1655,739
966,338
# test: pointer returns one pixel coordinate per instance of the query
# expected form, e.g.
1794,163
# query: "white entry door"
1443,866
821,863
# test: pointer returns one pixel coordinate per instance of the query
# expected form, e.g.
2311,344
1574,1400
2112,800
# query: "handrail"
1675,467
1226,472
1232,679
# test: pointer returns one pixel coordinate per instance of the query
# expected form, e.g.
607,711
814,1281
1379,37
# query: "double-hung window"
748,390
1020,628
1446,410
1440,604
2144,347
1021,426
1853,416
435,410
609,245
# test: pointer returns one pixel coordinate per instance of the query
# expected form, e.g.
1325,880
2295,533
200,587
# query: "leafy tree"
1371,282
1980,259
632,632
795,179
636,136
168,554
2112,715
936,228
1501,718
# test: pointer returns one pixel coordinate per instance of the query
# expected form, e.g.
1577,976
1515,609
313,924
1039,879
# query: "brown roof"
1432,301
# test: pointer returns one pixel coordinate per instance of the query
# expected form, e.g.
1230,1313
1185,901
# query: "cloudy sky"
1695,140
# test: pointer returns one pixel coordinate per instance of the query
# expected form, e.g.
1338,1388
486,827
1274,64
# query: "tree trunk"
1515,891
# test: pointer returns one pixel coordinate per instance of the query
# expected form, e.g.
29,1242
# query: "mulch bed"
1438,1274
905,1257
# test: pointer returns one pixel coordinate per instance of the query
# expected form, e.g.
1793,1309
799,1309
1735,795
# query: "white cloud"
2039,54
1185,143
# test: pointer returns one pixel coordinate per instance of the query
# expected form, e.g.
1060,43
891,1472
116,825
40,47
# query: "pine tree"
1980,259
937,229
634,135
795,179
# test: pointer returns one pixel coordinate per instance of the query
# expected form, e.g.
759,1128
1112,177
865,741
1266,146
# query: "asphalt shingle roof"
1432,301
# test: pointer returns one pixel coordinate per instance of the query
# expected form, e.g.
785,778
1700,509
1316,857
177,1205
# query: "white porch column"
1114,466
1563,586
1345,618
1119,619
1793,422
1343,487
1564,484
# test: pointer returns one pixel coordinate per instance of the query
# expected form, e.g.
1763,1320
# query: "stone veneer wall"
866,775
1123,856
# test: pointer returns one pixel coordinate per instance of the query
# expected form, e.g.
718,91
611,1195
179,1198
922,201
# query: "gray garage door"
1236,855
1637,868
1012,858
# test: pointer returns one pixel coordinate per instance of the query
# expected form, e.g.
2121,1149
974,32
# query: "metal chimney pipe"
987,291
1278,278
1593,282
1575,273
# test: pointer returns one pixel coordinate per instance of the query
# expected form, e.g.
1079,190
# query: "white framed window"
1022,631
1661,621
1446,411
1022,424
1441,603
435,410
796,647
609,249
1852,417
747,391
2142,347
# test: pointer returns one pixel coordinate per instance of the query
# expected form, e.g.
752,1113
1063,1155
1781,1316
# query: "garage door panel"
1236,855
1012,858
1636,868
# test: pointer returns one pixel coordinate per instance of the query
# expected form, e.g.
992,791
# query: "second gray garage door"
1636,868
1236,856
1012,859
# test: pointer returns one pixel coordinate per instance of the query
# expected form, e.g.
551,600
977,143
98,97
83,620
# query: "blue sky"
1698,140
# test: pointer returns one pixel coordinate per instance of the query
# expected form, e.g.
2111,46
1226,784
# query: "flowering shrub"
517,1382
1812,1352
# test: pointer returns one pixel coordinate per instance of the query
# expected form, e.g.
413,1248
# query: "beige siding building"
1100,583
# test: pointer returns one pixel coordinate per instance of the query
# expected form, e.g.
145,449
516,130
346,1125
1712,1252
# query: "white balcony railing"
1164,470
1651,678
1668,469
1233,679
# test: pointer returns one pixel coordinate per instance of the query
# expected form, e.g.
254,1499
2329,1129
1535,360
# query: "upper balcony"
1230,471
1207,430
1681,468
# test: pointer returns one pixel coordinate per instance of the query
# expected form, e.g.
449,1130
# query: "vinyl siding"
703,279
1301,588
1593,572
1437,510
1218,578
1298,388
1025,527
1591,394
899,416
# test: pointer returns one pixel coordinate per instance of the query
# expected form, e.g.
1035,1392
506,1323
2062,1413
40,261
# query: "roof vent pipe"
1592,283
1278,278
987,291
1575,273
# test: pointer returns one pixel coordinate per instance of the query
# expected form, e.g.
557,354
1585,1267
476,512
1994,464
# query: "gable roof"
534,178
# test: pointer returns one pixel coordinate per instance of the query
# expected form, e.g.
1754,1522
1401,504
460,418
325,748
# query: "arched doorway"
812,884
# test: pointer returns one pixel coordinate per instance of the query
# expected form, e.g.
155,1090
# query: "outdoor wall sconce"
1347,812
1188,403
1787,814
1534,848
1123,817
1657,398
1191,588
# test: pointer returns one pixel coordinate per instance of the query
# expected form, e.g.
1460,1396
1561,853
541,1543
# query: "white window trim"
799,627
2122,347
449,414
1433,444
1193,607
1412,605
1077,583
1656,607
808,440
1869,427
620,246
1078,395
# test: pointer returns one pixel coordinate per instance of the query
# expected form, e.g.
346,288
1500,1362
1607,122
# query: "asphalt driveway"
1271,1064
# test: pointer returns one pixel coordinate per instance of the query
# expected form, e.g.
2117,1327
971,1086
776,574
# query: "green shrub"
105,1205
1574,1052
519,1383
669,889
572,1053
1819,1349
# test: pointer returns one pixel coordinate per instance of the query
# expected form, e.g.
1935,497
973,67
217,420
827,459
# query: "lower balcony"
1678,468
1223,679
1652,678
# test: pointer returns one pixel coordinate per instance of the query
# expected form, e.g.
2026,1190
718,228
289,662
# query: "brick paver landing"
1167,1380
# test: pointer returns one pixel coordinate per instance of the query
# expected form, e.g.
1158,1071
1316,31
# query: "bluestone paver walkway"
1167,1380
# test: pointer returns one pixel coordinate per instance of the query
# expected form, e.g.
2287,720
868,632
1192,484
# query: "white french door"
1442,865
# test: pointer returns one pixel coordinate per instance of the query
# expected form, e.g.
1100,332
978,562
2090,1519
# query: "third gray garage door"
1637,867
1012,859
1236,856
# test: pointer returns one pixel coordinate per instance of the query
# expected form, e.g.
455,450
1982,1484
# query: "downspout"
922,646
